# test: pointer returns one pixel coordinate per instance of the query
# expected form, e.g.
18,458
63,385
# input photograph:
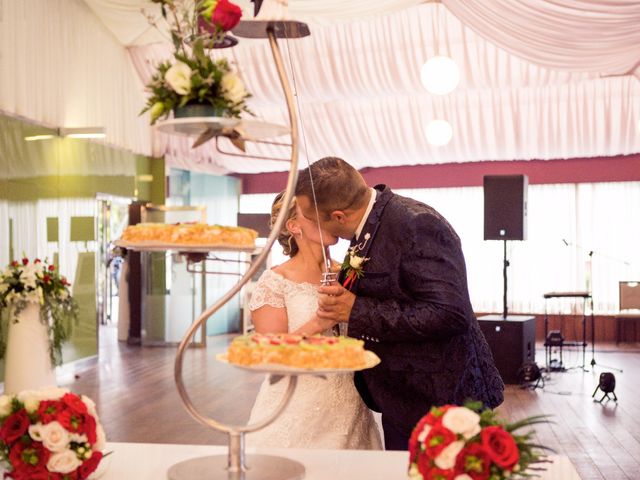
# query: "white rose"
179,78
28,276
30,399
464,476
54,437
447,457
5,405
63,462
355,261
414,473
75,437
233,87
91,406
35,432
463,421
424,433
4,287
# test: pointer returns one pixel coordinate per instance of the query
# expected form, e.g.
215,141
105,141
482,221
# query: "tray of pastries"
187,237
294,354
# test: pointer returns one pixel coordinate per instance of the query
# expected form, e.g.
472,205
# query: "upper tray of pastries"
187,237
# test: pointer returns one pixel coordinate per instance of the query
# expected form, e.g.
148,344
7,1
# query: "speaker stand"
505,264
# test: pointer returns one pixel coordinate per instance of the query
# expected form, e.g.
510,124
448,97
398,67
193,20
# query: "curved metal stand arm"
236,433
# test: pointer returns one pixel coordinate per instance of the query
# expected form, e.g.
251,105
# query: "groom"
410,305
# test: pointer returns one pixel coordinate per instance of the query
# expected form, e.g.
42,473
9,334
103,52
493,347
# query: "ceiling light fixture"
440,75
33,138
83,132
439,133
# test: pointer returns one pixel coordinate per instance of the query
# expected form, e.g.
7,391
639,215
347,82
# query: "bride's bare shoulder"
284,269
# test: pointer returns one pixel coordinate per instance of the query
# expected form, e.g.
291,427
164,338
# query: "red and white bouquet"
468,443
50,434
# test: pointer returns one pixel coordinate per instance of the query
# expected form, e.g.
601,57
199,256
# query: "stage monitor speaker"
512,343
505,207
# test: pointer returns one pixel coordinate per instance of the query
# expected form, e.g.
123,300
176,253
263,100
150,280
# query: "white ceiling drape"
360,97
60,66
601,36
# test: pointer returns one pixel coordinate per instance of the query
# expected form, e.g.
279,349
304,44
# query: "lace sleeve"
268,291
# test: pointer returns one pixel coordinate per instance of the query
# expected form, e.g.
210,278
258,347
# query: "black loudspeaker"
512,343
505,207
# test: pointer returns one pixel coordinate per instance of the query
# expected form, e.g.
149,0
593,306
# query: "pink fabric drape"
360,97
576,35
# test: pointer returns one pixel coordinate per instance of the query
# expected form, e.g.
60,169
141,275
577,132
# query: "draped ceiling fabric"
360,96
576,35
61,67
357,78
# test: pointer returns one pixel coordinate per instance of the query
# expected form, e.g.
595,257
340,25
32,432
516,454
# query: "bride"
323,412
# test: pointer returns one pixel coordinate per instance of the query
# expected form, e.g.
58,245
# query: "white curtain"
576,35
360,97
30,237
61,67
565,223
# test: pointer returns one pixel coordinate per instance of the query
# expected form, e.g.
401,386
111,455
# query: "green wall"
48,192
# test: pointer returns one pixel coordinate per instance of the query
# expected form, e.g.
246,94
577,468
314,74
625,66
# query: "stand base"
259,467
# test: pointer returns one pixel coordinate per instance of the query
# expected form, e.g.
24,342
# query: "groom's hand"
335,303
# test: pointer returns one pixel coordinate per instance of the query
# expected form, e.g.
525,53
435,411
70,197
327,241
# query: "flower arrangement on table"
192,77
50,434
468,443
38,282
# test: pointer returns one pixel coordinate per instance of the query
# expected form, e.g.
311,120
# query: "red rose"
70,421
89,466
226,15
438,438
14,426
90,429
46,278
474,461
500,446
414,445
14,263
50,410
436,473
25,261
37,260
436,413
75,403
52,268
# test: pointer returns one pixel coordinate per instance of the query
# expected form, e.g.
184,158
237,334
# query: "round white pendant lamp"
439,133
440,75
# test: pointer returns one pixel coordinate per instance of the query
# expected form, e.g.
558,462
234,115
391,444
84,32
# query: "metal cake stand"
236,465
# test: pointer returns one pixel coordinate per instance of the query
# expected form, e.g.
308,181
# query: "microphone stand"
590,292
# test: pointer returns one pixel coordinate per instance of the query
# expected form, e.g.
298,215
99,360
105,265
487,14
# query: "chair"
629,308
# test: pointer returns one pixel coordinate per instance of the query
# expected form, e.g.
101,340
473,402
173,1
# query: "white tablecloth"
146,461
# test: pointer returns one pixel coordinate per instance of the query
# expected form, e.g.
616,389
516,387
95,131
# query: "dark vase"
197,110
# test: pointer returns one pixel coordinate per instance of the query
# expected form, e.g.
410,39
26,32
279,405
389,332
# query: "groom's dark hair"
337,185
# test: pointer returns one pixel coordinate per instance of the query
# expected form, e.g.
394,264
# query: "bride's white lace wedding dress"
322,413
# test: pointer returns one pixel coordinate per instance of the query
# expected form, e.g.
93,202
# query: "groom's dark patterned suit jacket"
413,310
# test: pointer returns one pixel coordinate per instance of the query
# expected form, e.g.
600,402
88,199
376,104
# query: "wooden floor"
138,402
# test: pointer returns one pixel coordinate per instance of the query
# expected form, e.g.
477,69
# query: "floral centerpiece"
468,443
50,434
192,77
39,283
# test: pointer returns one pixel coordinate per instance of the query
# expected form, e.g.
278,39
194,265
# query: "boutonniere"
353,264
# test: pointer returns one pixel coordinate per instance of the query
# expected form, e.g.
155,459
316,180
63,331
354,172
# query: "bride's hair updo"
285,237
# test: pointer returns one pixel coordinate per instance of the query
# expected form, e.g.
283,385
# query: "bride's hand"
315,325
